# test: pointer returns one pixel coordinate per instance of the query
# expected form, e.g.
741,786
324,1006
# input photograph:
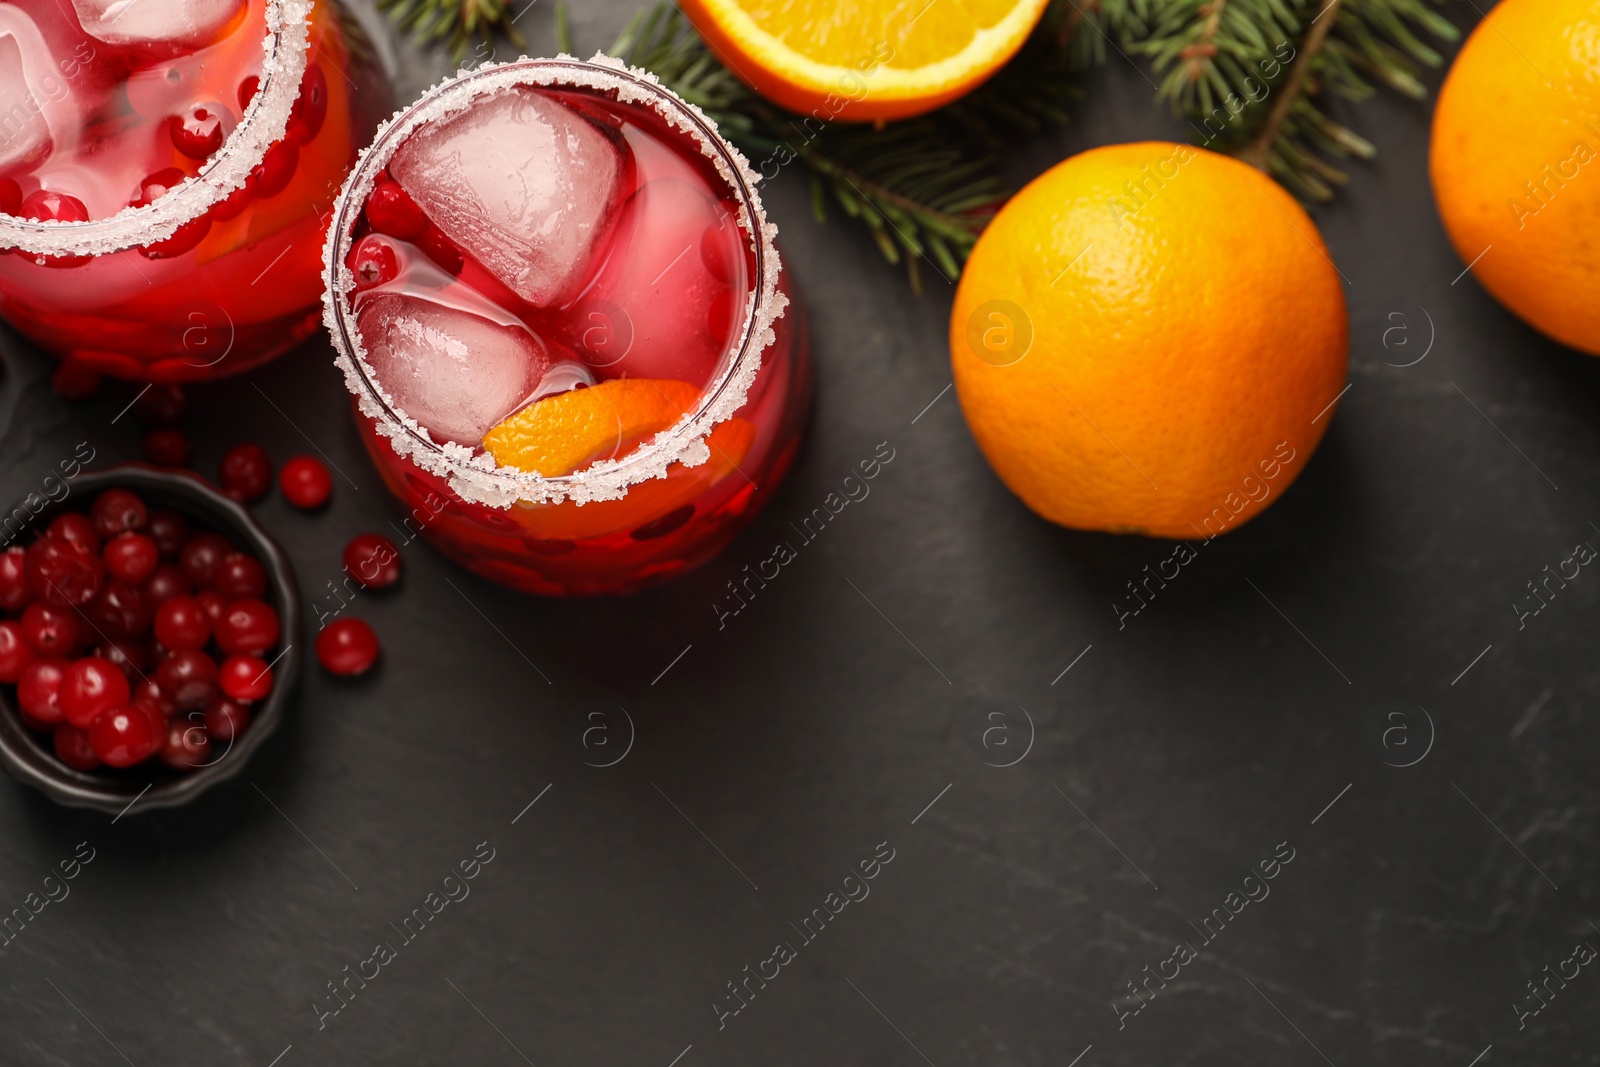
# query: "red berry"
130,657
73,747
347,647
74,380
246,472
170,530
214,604
167,582
190,676
117,510
39,689
149,691
46,205
247,627
441,250
182,623
62,573
391,210
247,91
202,556
241,577
14,591
49,630
245,678
186,745
10,196
311,106
160,404
92,686
377,260
15,652
226,719
166,448
131,557
232,205
156,186
119,611
200,130
271,176
126,735
183,239
372,560
75,526
305,482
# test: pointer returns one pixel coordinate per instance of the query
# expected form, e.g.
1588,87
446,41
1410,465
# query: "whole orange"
1516,137
1149,338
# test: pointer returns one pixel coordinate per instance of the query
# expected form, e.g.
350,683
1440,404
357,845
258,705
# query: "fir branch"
455,22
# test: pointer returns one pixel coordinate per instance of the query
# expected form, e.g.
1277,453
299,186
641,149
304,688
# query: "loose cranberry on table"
305,482
74,526
91,687
160,405
246,472
190,676
62,572
182,622
347,647
241,576
245,678
247,627
132,557
226,719
14,591
186,746
117,510
127,734
49,630
15,652
169,530
373,560
39,689
166,447
73,747
201,557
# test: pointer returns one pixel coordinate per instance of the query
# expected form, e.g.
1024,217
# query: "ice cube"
177,22
456,373
657,291
522,183
24,134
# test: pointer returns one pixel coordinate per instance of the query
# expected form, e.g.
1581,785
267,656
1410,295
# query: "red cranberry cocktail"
167,168
560,312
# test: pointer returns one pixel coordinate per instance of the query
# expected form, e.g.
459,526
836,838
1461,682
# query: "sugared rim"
264,122
476,477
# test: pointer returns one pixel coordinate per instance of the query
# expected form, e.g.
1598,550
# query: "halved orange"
864,59
563,433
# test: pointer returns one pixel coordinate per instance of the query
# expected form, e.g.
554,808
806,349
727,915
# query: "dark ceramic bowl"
27,754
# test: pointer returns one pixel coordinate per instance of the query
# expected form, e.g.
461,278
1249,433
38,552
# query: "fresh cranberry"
73,747
182,623
391,210
160,404
200,130
49,630
117,510
10,196
119,611
247,91
305,482
168,581
131,557
126,735
14,591
15,652
39,688
246,472
376,260
149,691
241,577
183,239
156,186
132,658
441,250
48,205
271,176
247,627
74,380
347,647
170,530
186,745
232,205
202,556
62,573
190,676
245,678
226,719
75,526
372,560
310,107
214,604
167,447
92,686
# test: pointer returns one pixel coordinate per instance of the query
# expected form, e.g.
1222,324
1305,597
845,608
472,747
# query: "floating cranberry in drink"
562,317
166,170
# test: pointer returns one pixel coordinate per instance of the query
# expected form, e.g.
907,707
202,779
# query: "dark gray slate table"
858,708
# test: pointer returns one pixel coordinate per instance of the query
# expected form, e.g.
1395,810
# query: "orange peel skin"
564,433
